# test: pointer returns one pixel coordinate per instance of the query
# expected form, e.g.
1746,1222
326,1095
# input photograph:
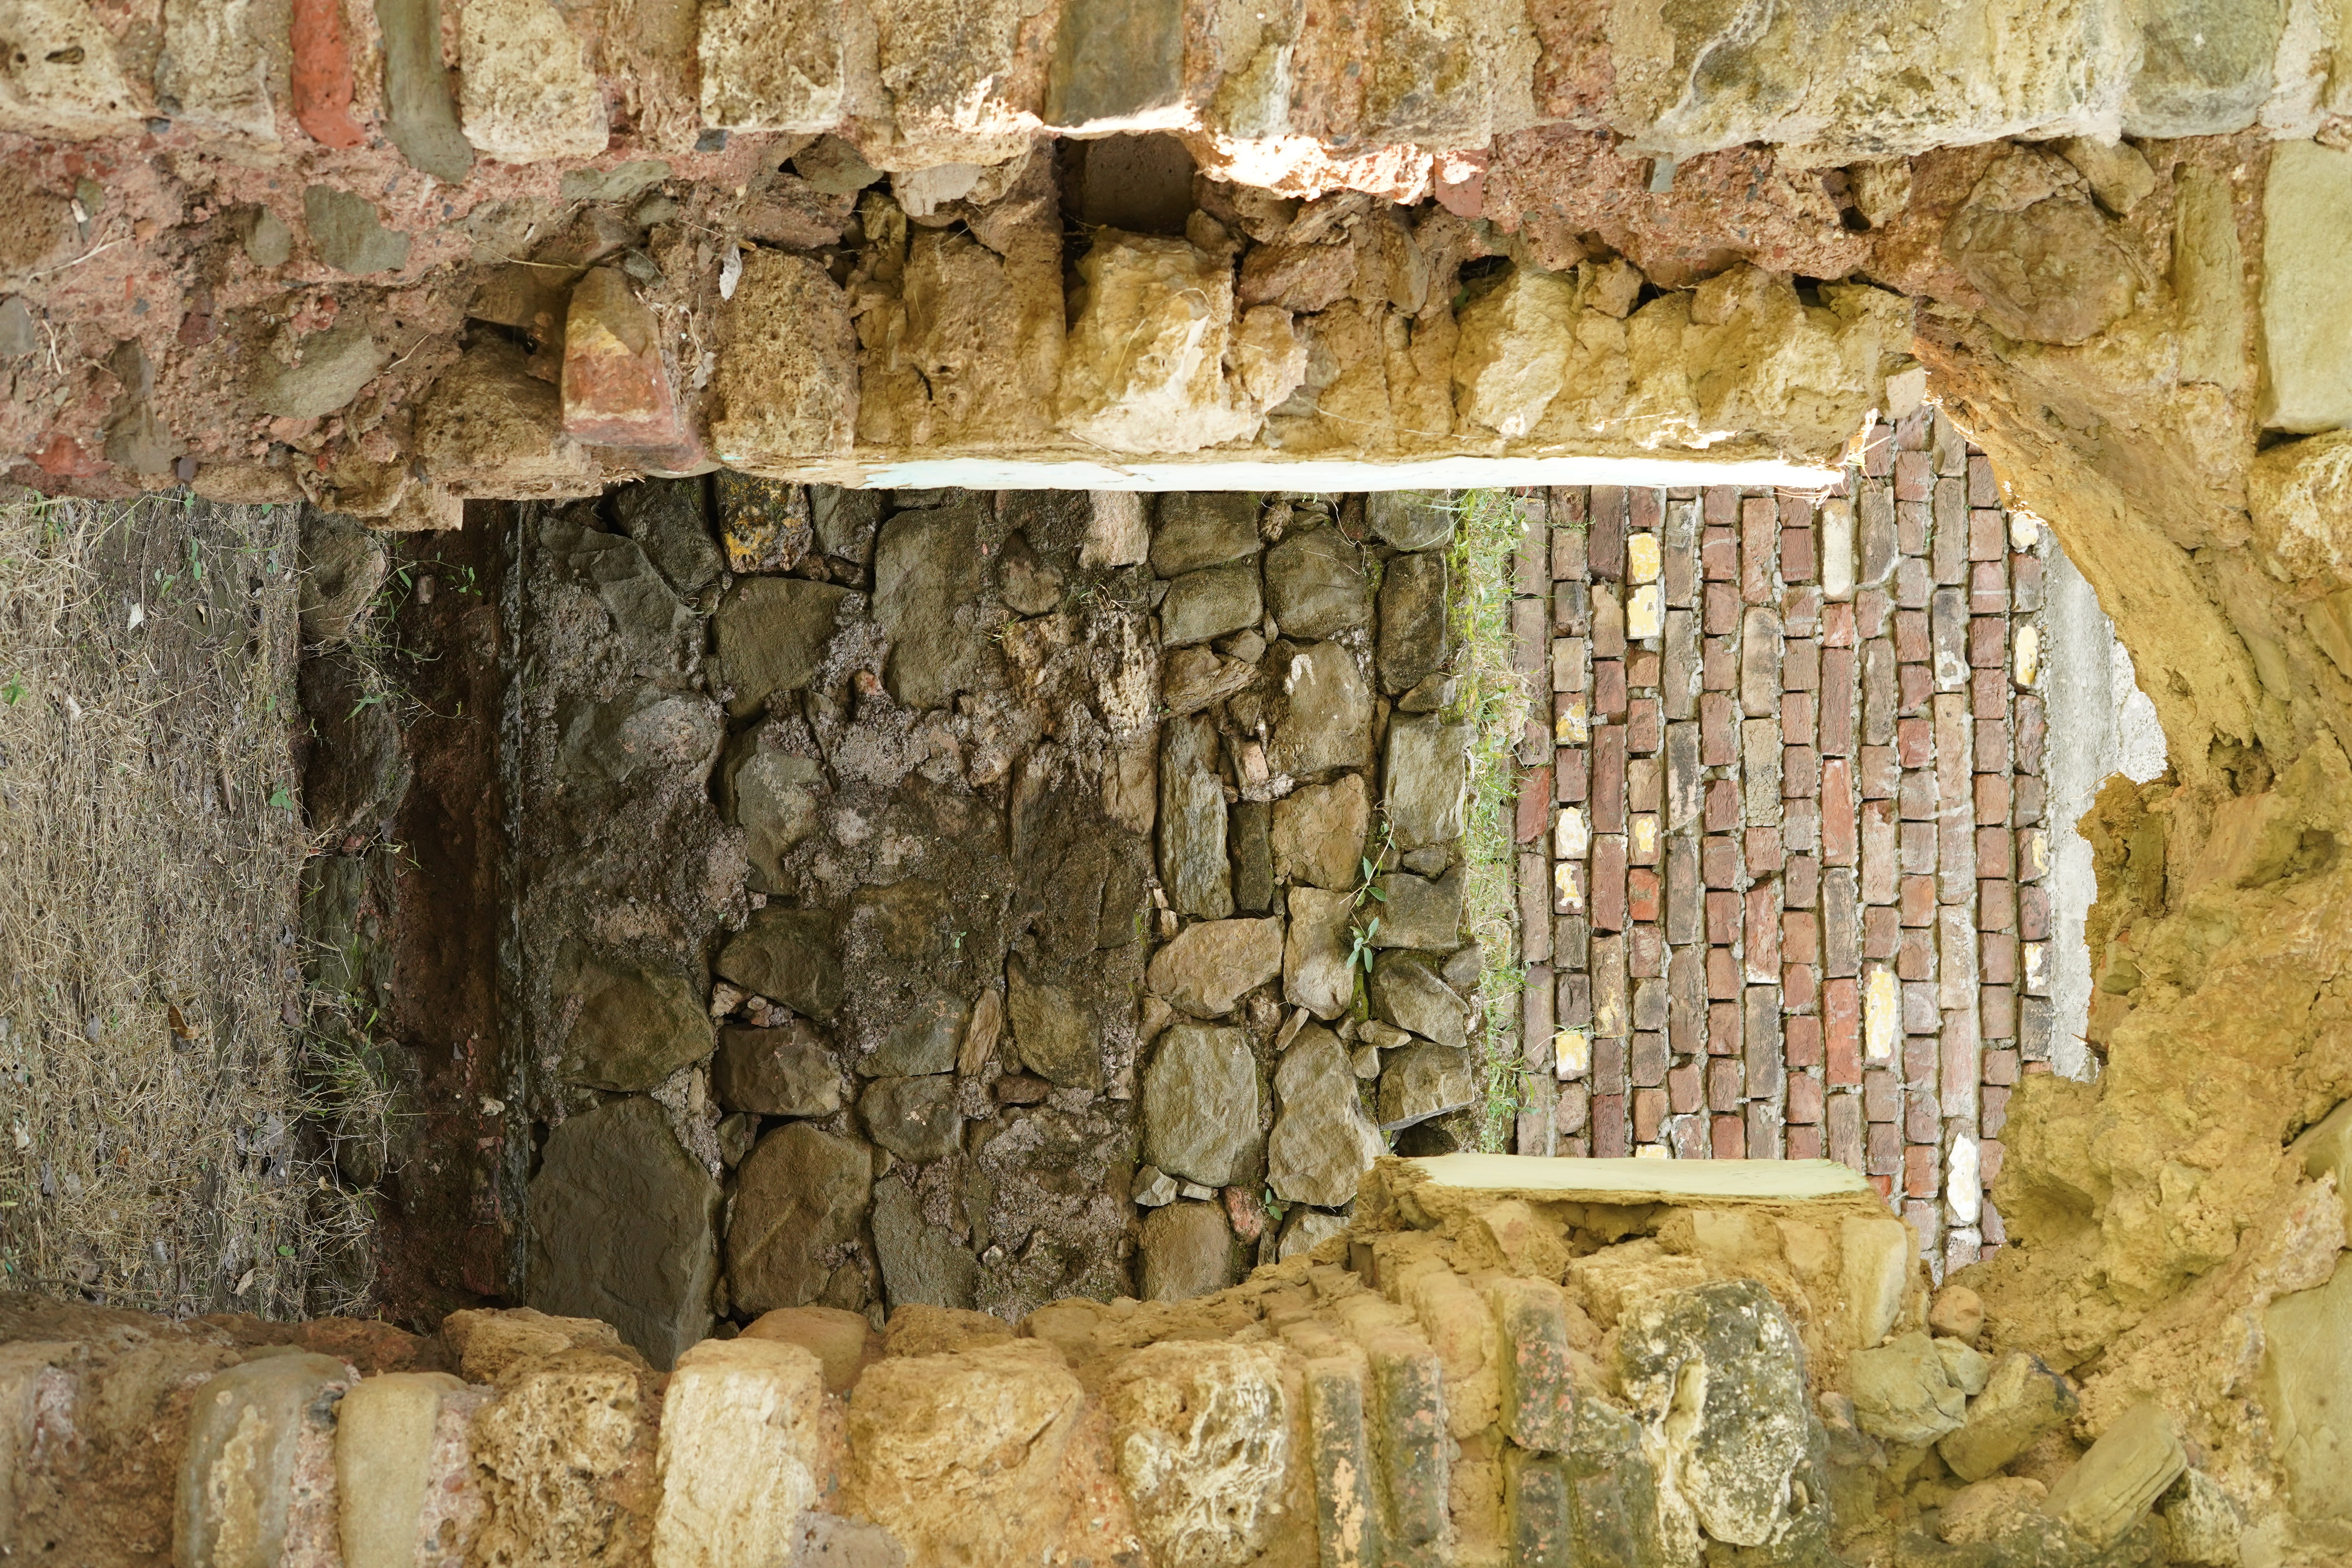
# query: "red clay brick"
1608,688
1992,800
1723,1019
1919,1175
1992,1116
1983,490
1763,851
1988,534
1885,1154
1762,930
1872,608
1797,723
1800,773
1570,775
1720,609
1997,957
1913,643
1797,563
1917,900
1800,665
1719,864
1718,730
1998,906
1608,892
2025,583
1608,1127
1641,731
1881,1095
1801,881
2001,1067
1915,742
1723,1084
1839,829
1802,1041
1880,772
1988,694
2026,795
1800,937
1915,796
1719,506
1641,894
1640,667
1535,806
1649,1114
1604,539
1990,1156
1804,1142
1995,854
1800,611
1722,976
1718,554
1914,684
1916,958
1804,1100
1609,779
1842,1032
322,81
1997,1014
1609,1067
1723,918
1837,625
1992,746
1801,826
1645,507
1567,557
1882,930
1913,478
1800,986
1836,701
1722,806
1729,1137
1989,641
1878,451
1988,588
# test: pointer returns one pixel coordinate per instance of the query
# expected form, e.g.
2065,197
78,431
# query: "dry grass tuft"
152,1153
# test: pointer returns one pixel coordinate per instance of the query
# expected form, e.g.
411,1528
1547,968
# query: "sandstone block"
257,1480
404,1487
2110,1488
1142,370
741,1452
1512,356
623,1227
772,65
1902,1392
2299,494
1539,1397
1338,1446
2203,70
1735,1454
2021,1400
527,91
960,1457
489,428
1204,1441
215,71
842,1342
63,80
564,1456
786,384
2308,1356
633,1026
488,1340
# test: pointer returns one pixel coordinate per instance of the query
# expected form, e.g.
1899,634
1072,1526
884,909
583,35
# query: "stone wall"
977,899
1501,1361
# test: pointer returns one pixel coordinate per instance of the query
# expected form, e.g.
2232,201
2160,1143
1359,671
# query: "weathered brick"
1989,641
1992,1116
1571,941
1722,806
1876,777
1679,542
1917,901
1724,1085
1720,609
1536,1018
1567,535
1684,782
1801,1040
1722,915
1988,534
1915,959
1571,664
1645,950
1718,669
1879,865
1800,937
1841,1031
1759,536
1800,773
1722,1019
1800,665
1609,1141
1686,1000
1534,806
1997,1018
1884,1153
2026,580
1641,894
1804,1100
1955,957
1760,847
1535,902
1914,685
1679,668
1644,788
1609,779
1539,1397
1873,614
1951,631
1882,1094
1761,928
1607,689
1718,731
1838,625
1719,553
1571,888
1914,585
1684,917
1646,1060
1604,540
1949,551
1915,742
1961,1052
1841,923
1759,1022
1988,588
1922,1116
1800,882
1914,480
1989,694
1339,1450
2037,1021
1919,1014
1649,1114
1720,862
1608,892
1919,1181
1992,746
1570,775
1727,1138
1797,556
1874,525
1835,704
1918,841
1573,1000
1840,841
1879,692
1760,762
1914,795
1722,978
1642,669
1530,637
1982,489
1796,725
1766,1134
1997,905
1533,577
1914,643
1844,1130
1686,1091
2026,795
1571,608
1993,803
1997,954
1608,621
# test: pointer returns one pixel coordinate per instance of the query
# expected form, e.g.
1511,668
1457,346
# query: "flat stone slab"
1633,1181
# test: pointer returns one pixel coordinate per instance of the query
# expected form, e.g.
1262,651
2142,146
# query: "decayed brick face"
1818,768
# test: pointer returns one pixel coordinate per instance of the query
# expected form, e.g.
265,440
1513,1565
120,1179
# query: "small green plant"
281,799
14,691
1360,950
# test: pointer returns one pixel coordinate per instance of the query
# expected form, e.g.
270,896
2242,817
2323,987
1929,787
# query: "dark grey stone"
789,956
667,519
634,1028
1426,777
1328,719
914,1117
1316,584
333,366
1203,528
1117,60
1192,864
623,1227
348,235
783,1071
1420,912
773,634
1252,858
1407,992
926,586
921,1264
1201,1105
1210,603
924,1040
1419,1081
845,521
800,1197
419,115
1412,621
1410,520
